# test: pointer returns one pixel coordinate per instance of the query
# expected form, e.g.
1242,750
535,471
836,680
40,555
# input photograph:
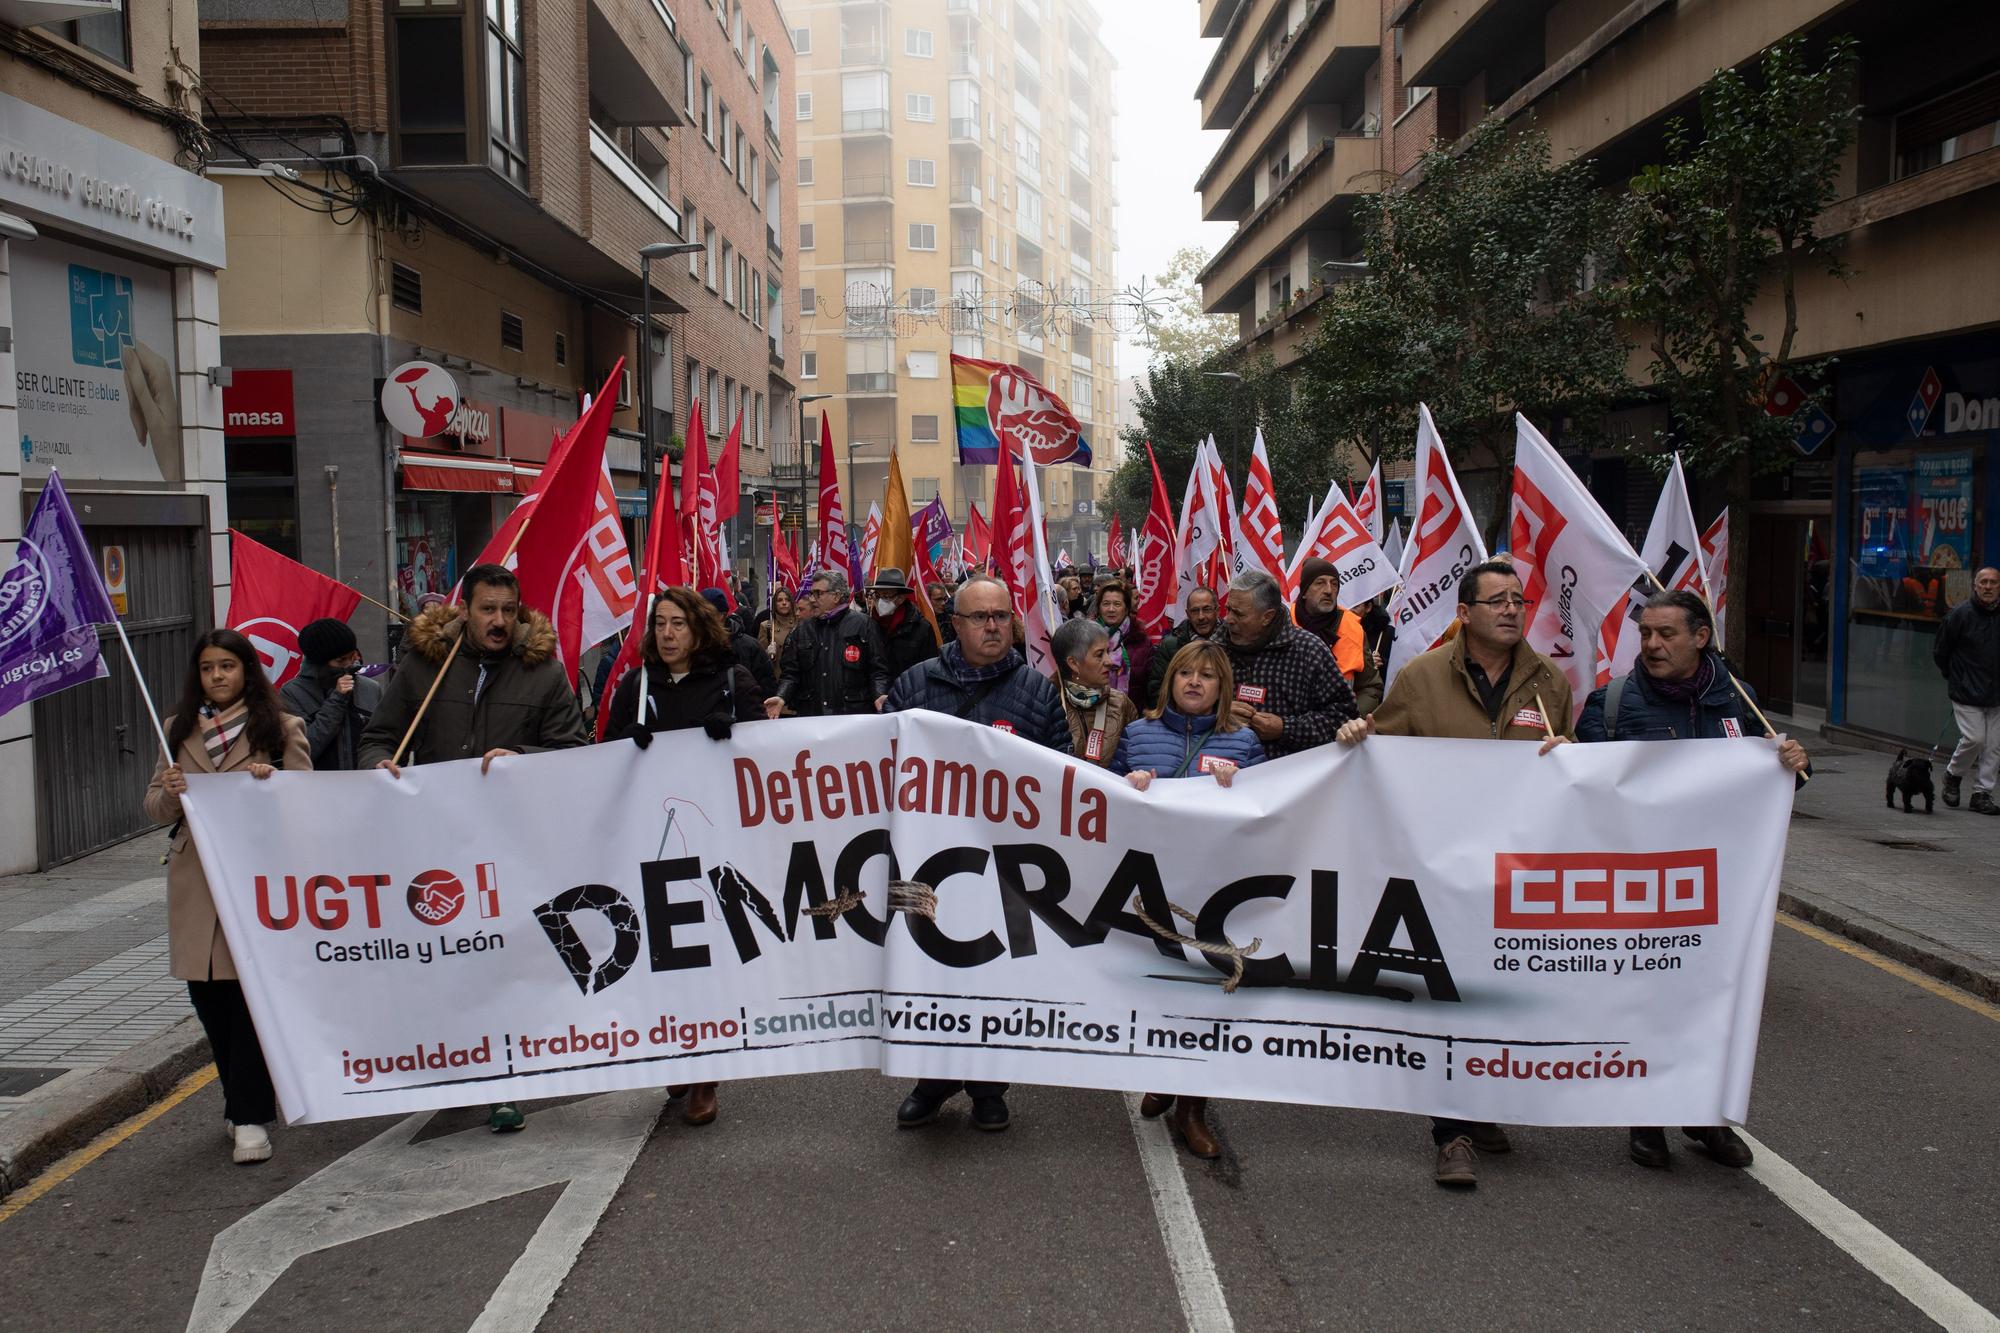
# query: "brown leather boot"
1193,1128
701,1104
1154,1104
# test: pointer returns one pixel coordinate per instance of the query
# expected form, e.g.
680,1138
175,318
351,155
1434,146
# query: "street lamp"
647,254
1345,265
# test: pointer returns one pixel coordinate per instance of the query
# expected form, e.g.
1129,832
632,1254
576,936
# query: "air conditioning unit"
625,388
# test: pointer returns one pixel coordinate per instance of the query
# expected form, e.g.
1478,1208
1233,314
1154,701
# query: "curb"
1972,975
80,1105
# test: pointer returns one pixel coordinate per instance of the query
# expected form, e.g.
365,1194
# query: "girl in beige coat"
229,720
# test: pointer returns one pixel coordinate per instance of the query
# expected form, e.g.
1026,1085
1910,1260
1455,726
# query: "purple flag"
930,526
51,602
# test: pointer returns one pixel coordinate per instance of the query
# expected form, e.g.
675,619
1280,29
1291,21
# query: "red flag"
1010,529
832,519
728,471
273,597
1156,565
694,461
554,540
701,538
783,556
1114,546
663,569
978,539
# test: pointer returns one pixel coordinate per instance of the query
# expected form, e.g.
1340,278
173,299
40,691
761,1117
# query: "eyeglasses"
984,617
1511,602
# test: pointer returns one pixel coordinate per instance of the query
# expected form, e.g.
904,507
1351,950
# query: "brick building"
470,184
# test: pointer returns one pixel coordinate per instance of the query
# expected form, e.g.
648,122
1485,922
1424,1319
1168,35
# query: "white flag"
1199,535
1260,536
1368,504
1393,548
1575,564
1673,554
1444,543
1715,562
1339,536
1039,620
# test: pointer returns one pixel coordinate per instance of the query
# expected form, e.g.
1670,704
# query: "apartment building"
109,248
956,179
1842,563
470,183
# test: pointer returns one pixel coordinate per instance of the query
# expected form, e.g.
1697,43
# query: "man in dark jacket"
504,691
749,653
1288,689
835,662
984,679
1968,653
1203,615
334,701
1319,613
905,632
1680,689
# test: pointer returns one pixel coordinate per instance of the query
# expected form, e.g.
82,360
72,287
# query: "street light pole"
1237,432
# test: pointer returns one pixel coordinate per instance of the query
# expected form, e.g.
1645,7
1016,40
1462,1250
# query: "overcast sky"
1161,145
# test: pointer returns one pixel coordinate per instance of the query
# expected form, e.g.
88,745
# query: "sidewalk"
92,1027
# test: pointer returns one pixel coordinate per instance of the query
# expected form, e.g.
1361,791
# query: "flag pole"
139,678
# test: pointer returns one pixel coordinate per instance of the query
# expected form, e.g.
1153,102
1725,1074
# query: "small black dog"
1911,775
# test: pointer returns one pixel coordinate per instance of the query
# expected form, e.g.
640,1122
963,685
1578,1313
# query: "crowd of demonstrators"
1096,709
691,678
939,594
1204,613
742,644
1131,651
778,621
228,720
1486,683
1287,689
330,695
835,662
1680,689
906,635
1968,653
980,678
1318,612
1191,732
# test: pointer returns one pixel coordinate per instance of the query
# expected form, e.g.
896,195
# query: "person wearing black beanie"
1319,613
329,696
748,651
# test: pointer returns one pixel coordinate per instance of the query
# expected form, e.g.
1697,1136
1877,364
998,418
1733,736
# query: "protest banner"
610,917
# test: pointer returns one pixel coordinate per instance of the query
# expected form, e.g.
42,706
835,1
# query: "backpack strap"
1614,697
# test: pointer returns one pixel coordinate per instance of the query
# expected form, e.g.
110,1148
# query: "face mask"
885,606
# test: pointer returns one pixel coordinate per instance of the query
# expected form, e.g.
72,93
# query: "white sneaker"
252,1144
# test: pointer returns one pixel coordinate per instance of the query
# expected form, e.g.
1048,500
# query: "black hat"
890,579
324,640
1315,569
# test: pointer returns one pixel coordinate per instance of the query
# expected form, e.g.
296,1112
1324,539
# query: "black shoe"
989,1113
919,1110
1723,1145
1951,790
1982,804
1488,1138
1649,1147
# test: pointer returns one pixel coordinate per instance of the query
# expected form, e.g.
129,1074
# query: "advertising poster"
95,364
1883,496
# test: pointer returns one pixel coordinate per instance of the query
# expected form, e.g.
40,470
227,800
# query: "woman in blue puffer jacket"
1188,734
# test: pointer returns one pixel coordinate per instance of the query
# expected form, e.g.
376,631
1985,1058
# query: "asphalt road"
803,1207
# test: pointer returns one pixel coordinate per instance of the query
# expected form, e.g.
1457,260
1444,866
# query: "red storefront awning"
454,472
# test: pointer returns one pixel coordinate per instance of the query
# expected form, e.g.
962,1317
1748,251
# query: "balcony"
854,188
867,252
772,243
1446,42
1079,212
872,382
1215,15
964,129
872,120
966,254
965,193
862,55
622,170
1319,195
965,60
961,6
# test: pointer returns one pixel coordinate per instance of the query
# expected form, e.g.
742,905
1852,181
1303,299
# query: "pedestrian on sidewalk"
1191,733
330,695
1679,688
692,679
981,678
1486,683
228,720
1968,653
1096,712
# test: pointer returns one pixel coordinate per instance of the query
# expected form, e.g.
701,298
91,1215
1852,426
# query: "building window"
923,365
103,35
808,300
728,274
562,349
513,336
693,225
924,430
687,82
754,295
1962,122
406,288
805,106
726,146
805,236
923,298
923,490
808,365
920,107
708,421
921,171
738,157
802,41
805,171
919,42
708,255
923,236
707,111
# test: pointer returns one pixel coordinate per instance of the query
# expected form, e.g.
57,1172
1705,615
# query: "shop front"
1918,476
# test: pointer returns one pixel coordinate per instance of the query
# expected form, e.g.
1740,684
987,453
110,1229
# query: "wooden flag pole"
1770,731
382,605
1543,709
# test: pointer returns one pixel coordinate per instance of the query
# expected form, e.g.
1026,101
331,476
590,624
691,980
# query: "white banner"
586,920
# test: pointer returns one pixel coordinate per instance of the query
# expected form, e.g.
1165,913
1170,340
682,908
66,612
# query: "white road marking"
91,912
1916,1281
389,1183
1195,1277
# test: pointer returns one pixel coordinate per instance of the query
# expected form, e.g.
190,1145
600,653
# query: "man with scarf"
1288,690
1680,689
1318,612
834,662
983,679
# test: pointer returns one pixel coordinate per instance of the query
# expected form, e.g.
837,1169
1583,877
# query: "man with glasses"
982,678
834,662
1288,689
1486,684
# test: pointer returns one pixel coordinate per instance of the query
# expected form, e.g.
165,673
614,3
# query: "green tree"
1176,328
1480,299
1732,209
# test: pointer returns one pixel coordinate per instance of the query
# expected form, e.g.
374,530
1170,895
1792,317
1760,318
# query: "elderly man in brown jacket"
1485,684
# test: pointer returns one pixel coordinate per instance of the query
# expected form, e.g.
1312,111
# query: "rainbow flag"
996,402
